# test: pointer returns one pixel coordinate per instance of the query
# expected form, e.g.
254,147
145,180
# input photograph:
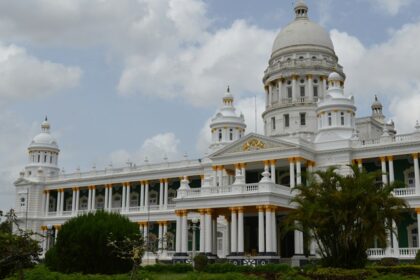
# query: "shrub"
388,261
338,274
168,268
82,244
417,259
200,262
400,269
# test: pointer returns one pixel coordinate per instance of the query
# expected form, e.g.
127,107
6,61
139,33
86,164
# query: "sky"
122,80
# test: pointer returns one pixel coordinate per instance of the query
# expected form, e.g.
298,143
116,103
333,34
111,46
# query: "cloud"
25,76
154,149
391,7
389,69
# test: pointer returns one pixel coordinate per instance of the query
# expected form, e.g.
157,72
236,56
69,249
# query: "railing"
408,252
391,139
404,191
375,252
404,253
307,62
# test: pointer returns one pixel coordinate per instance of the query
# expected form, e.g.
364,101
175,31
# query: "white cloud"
406,111
391,7
389,69
154,149
25,76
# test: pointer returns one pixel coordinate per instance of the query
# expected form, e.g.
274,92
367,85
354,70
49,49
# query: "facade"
232,203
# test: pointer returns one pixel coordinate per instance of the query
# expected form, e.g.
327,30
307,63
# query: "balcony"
403,192
401,253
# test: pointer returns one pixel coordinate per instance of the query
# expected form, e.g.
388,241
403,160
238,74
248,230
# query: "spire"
45,126
301,9
228,97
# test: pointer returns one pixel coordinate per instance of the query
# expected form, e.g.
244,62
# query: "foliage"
166,268
82,244
345,213
389,261
400,269
228,267
200,262
338,274
417,259
19,250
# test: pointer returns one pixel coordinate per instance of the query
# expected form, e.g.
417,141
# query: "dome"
334,76
44,139
302,31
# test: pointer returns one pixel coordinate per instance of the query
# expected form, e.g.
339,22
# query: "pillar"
77,199
324,84
273,170
294,88
214,176
221,170
274,230
391,169
184,242
268,230
160,236
418,225
106,197
208,230
146,195
395,244
124,197
127,203
214,235
73,201
280,85
161,186
292,172
383,167
47,202
298,242
93,197
233,232
141,195
261,239
227,237
416,174
360,164
202,230
166,193
178,232
165,237
310,90
270,94
298,172
146,234
110,197
89,198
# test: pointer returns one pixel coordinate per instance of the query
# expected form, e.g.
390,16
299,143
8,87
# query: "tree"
344,214
82,244
19,250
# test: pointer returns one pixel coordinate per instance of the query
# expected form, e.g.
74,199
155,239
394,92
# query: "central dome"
302,31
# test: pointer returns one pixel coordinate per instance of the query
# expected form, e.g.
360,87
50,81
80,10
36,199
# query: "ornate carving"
253,144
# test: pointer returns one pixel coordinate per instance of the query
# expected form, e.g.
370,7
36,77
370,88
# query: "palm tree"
344,214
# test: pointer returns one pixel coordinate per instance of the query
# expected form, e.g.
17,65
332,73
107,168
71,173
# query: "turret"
377,111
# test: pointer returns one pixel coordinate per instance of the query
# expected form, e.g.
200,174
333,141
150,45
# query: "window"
231,134
329,119
289,92
315,91
50,158
45,158
302,91
273,123
315,81
220,135
342,118
302,118
39,158
301,57
286,120
302,81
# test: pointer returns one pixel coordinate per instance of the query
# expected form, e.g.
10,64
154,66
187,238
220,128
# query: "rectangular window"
342,118
273,123
315,91
302,118
302,91
286,120
289,92
329,119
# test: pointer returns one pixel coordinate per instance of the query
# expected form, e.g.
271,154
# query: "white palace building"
235,198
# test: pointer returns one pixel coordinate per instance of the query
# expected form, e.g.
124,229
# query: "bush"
338,274
82,244
168,268
388,262
228,267
200,262
417,259
400,269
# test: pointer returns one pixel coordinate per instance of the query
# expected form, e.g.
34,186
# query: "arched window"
231,134
329,119
220,135
342,118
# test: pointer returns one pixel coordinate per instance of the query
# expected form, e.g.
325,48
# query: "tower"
43,154
377,110
296,77
227,125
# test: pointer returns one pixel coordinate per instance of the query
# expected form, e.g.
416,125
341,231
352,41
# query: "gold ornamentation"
253,144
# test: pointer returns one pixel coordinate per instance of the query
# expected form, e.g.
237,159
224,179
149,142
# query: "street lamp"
194,227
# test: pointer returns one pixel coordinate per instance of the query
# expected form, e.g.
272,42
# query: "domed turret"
227,125
377,110
43,153
296,77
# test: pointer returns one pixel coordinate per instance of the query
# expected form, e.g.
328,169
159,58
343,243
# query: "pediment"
22,181
254,142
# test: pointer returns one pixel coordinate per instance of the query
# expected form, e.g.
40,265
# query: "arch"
116,200
83,203
100,202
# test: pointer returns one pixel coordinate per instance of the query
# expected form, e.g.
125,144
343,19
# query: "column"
384,175
221,170
47,202
59,203
261,240
270,94
110,197
324,84
214,176
233,232
243,171
298,172
93,197
292,172
127,203
106,197
146,195
294,88
141,195
298,242
184,246
360,164
310,88
227,237
273,170
166,193
267,93
240,230
391,169
178,232
89,198
395,244
165,237
208,229
202,230
160,236
141,228
416,174
268,230
146,234
214,235
161,186
418,225
77,198
124,197
73,201
280,85
274,230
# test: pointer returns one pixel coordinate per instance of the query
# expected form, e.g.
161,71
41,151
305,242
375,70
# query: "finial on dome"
45,126
228,97
228,89
301,9
46,118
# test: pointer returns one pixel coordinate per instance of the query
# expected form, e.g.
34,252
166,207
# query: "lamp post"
194,227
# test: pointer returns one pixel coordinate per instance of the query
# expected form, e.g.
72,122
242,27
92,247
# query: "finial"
376,97
228,89
301,9
417,127
46,118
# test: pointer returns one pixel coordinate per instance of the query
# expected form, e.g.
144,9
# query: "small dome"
334,76
376,104
302,31
44,139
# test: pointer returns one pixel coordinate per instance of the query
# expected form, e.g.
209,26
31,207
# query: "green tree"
82,244
344,214
17,250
